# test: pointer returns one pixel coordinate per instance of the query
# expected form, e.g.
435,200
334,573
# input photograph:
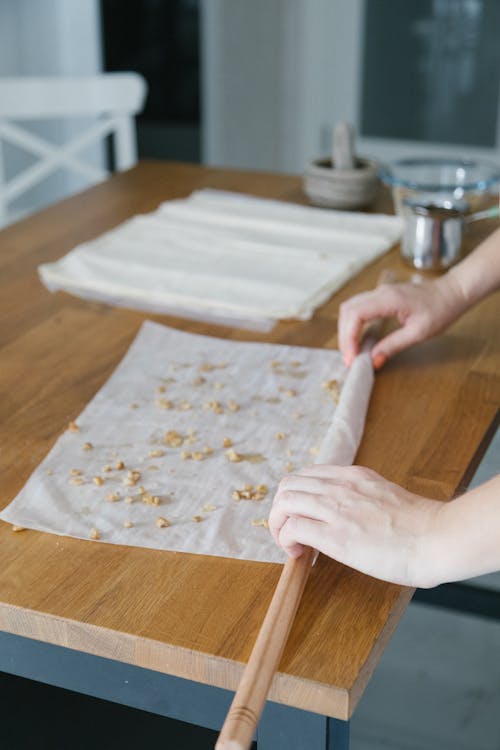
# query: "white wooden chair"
110,99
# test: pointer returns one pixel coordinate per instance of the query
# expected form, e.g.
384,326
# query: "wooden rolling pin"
241,721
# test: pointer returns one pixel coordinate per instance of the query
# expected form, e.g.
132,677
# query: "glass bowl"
431,180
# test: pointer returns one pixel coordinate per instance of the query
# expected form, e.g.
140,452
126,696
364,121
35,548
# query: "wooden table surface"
430,420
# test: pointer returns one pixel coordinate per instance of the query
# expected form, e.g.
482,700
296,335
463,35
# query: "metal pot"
432,234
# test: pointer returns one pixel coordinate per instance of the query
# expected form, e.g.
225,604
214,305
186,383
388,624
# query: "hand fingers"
300,532
393,343
380,303
289,502
337,473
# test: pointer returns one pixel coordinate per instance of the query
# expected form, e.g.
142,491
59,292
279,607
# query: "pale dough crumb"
260,522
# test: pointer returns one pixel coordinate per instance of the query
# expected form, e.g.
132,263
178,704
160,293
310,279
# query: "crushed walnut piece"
107,468
332,387
280,436
218,385
76,481
162,523
164,403
149,499
160,389
98,480
75,472
227,442
232,456
87,447
249,492
291,392
129,499
197,519
113,497
16,528
232,405
197,456
184,405
131,478
173,438
128,524
289,467
119,465
94,534
209,507
198,380
73,427
133,405
207,450
214,406
157,453
261,522
186,455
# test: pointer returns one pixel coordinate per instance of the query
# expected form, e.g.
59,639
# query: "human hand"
357,517
423,310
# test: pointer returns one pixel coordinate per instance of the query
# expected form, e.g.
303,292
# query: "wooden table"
135,625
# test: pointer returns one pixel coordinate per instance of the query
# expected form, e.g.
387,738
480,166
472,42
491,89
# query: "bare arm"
423,310
357,517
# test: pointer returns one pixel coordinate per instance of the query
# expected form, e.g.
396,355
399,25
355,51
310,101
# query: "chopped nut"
164,403
296,363
107,468
262,488
333,388
186,455
149,499
214,406
141,490
207,367
94,534
162,522
75,472
129,499
131,478
157,453
134,406
184,405
73,427
112,497
289,467
197,456
87,446
49,472
207,450
249,492
128,524
297,415
199,380
232,456
161,389
280,436
14,527
191,437
227,442
218,386
275,363
208,507
98,480
233,406
119,465
173,439
260,522
76,480
197,519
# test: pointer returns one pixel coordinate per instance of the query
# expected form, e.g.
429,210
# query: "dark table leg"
286,728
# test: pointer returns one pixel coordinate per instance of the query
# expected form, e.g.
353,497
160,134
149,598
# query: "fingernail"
379,360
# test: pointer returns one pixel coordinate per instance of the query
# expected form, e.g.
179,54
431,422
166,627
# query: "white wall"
49,37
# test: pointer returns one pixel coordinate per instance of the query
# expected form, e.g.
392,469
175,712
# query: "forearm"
479,273
467,539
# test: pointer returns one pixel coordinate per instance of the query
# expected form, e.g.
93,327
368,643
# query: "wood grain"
197,617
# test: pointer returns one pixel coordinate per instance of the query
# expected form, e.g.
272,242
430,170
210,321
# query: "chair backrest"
111,100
